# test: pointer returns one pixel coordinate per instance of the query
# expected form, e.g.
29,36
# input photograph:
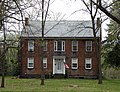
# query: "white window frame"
74,61
56,46
44,63
74,43
31,45
88,61
45,46
30,60
88,46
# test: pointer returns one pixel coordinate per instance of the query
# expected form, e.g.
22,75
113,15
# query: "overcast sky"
67,9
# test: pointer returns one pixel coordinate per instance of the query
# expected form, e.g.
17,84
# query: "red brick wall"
81,55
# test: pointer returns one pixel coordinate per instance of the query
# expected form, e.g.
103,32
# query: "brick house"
69,49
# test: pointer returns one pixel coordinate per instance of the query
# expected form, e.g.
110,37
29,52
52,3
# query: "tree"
2,57
104,9
93,11
101,5
114,28
42,39
12,55
112,41
113,57
10,17
41,13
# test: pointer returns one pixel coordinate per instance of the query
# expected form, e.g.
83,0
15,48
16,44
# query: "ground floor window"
45,62
74,63
31,62
88,63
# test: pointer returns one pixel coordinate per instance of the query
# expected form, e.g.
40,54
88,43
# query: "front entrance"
58,66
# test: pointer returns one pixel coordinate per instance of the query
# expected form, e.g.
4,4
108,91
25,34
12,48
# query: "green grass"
59,85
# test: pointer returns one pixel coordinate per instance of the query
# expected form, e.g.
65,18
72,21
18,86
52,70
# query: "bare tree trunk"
97,42
99,51
3,59
95,30
42,67
97,47
99,63
42,43
3,80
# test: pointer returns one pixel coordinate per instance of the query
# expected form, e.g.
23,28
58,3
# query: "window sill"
88,68
88,51
74,68
30,68
31,51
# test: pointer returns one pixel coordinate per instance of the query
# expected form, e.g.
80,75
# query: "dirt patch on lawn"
73,85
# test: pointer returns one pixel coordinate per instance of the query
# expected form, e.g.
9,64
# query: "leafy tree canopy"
111,48
113,57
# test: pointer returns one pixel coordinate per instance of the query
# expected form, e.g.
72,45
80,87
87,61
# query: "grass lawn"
59,85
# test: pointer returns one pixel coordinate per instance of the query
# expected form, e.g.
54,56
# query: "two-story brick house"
69,48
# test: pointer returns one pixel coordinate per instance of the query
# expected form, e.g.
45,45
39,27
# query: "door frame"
54,66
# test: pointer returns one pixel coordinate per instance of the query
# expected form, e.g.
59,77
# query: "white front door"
58,66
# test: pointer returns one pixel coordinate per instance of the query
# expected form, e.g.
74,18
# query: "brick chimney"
26,21
98,22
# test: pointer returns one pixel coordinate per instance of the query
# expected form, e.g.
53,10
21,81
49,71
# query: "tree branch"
107,13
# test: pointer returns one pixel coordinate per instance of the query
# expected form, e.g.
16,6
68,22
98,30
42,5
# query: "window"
45,62
45,46
74,63
31,62
88,63
59,67
59,46
88,46
74,45
31,45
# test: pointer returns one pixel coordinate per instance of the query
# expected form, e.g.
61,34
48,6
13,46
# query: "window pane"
59,46
88,48
45,62
88,45
88,63
55,46
74,45
63,46
45,46
74,63
31,45
44,65
30,62
59,66
88,66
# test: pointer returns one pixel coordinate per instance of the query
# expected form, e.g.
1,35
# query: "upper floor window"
88,63
31,62
59,46
74,63
88,46
31,45
45,46
45,62
74,45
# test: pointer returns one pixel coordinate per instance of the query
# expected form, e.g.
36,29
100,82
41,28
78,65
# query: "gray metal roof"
60,29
